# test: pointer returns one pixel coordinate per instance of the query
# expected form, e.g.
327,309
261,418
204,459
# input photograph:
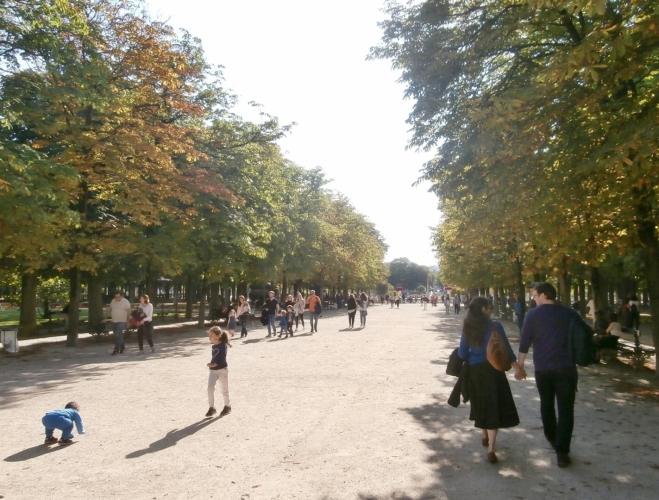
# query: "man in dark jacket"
546,329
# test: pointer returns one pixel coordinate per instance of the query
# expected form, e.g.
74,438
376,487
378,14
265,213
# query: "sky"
305,62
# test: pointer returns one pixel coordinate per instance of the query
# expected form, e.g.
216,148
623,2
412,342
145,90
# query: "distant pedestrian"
64,421
243,312
271,308
145,325
351,304
283,324
298,308
231,322
447,303
290,318
520,309
456,303
315,308
218,370
119,312
363,309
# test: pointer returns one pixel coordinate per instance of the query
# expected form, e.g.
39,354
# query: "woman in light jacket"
145,326
298,309
242,311
363,309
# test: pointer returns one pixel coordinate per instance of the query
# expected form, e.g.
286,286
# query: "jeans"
351,318
223,376
271,325
559,386
118,330
299,317
243,326
52,422
145,330
314,321
362,317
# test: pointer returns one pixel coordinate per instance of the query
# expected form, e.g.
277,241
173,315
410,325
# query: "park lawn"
10,317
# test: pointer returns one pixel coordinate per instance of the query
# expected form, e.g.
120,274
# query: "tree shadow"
41,368
34,452
173,437
612,455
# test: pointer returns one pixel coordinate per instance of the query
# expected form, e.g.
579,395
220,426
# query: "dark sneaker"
492,458
225,411
123,349
115,352
50,440
211,411
65,441
563,459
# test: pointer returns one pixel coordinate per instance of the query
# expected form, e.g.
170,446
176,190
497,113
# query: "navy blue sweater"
219,356
546,329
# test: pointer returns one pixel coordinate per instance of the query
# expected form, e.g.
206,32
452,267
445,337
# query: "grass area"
10,317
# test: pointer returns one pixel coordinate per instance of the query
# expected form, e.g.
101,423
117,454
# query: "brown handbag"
497,354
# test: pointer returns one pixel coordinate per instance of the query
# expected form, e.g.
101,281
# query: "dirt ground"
339,414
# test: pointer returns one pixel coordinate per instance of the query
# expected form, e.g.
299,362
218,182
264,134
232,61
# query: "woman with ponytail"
492,403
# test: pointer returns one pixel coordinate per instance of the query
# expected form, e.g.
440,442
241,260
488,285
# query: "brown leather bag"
497,354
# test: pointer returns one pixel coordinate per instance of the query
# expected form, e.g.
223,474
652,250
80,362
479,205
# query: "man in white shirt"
119,311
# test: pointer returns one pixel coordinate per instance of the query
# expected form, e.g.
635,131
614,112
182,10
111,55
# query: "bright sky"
305,62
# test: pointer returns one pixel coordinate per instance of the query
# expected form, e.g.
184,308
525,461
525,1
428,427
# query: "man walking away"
546,329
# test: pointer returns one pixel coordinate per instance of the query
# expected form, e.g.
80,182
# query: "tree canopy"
543,116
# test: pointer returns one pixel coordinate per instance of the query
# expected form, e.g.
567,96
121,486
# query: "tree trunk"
495,301
201,322
215,296
596,283
177,290
647,232
28,316
582,295
95,300
564,282
74,308
189,296
151,282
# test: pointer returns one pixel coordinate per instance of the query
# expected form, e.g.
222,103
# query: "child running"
218,370
63,420
232,321
290,317
283,324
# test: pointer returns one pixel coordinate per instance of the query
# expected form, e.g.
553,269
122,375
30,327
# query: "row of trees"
121,161
544,117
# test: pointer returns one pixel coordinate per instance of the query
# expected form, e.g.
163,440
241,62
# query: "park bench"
635,351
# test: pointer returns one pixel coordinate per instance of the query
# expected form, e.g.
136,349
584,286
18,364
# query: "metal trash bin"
9,340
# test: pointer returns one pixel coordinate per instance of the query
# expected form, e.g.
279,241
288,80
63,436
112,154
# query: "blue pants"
314,321
118,329
271,324
52,422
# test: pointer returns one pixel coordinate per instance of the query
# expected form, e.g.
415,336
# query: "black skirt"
492,403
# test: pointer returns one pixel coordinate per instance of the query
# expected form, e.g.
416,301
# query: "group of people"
545,328
354,304
289,312
120,313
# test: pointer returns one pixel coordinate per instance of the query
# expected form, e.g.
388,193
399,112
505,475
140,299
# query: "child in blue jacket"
63,420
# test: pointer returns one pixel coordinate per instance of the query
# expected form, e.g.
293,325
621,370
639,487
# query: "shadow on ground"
173,437
612,457
44,367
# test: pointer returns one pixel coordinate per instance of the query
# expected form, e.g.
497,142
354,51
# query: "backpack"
318,308
580,342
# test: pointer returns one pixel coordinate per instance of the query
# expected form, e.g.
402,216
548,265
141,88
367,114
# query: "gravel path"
339,414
